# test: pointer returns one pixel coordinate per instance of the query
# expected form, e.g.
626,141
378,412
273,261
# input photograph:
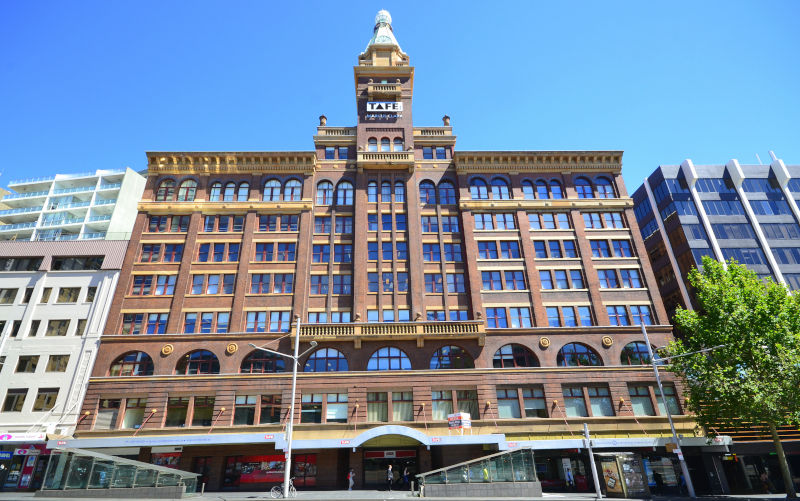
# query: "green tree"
753,376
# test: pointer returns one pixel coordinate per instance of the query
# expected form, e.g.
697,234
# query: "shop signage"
459,420
27,452
436,439
22,437
344,442
61,442
511,445
384,106
269,436
5,454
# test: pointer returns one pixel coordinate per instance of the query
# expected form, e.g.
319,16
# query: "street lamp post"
290,424
684,468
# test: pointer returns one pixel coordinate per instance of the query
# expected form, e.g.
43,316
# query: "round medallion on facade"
544,342
231,348
607,341
167,349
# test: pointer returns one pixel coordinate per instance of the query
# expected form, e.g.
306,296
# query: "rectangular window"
430,224
640,315
386,251
520,317
165,285
608,279
15,399
34,328
487,250
57,328
179,224
256,321
435,315
330,153
156,323
142,285
27,363
484,222
569,249
509,249
177,408
561,279
203,411
591,220
336,408
546,279
270,409
585,314
577,279
7,296
533,400
505,221
173,253
402,282
319,284
568,313
263,252
400,222
574,403
279,321
342,284
458,315
282,283
430,253
640,400
311,408
244,412
286,252
344,225
450,224
672,401
455,283
508,404
386,222
515,280
80,330
553,319
433,283
534,221
57,363
617,315
622,248
555,249
321,253
377,407
491,280
223,223
322,224
372,222
600,248
540,249
630,278
132,323
613,220
600,401
388,283
496,318
151,253
134,413
107,413
372,282
270,223
157,224
343,152
259,283
442,404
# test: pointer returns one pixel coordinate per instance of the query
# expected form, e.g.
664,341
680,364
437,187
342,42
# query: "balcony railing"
21,210
337,131
95,219
16,226
386,159
31,180
111,201
112,186
94,236
32,194
62,221
77,189
69,206
469,328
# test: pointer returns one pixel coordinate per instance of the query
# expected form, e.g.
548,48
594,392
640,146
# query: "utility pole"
591,461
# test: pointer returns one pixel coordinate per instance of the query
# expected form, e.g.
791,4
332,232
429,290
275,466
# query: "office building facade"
734,211
505,285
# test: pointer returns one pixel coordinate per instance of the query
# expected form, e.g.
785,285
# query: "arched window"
372,144
385,144
635,354
398,144
555,189
604,188
261,362
166,190
135,363
372,191
216,192
514,355
198,362
386,191
324,193
578,355
451,357
388,358
528,193
541,189
477,189
427,192
500,189
230,192
187,190
326,360
292,190
244,192
344,193
399,191
272,191
584,188
447,193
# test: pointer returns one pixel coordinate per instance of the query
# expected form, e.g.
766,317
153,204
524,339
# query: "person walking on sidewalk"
389,477
351,479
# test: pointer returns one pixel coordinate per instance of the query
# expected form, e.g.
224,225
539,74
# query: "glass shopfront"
249,472
376,463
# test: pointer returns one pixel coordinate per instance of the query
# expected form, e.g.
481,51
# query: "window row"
495,221
387,250
321,284
500,189
444,194
431,224
161,253
342,225
434,283
386,144
548,220
29,363
172,224
503,280
53,327
386,222
65,295
387,190
600,220
230,191
15,399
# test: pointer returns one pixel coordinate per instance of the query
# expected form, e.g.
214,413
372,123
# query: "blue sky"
88,85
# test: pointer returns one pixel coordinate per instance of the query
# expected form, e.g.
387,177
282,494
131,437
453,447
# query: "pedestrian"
351,479
406,482
3,476
389,477
765,482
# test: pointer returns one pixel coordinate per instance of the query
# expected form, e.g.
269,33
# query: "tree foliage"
755,376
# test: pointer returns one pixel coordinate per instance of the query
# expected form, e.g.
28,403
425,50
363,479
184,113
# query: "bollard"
202,488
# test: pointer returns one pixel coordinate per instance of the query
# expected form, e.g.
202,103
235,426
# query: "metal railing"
510,466
98,218
110,201
16,226
14,196
62,221
73,190
113,186
21,210
73,205
31,180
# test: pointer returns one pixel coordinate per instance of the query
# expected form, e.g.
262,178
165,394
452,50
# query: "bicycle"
277,491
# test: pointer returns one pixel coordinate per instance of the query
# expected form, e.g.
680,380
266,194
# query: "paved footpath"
371,495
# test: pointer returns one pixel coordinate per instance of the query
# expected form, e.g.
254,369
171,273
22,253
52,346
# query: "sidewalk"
373,495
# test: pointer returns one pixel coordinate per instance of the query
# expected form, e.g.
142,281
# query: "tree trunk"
787,477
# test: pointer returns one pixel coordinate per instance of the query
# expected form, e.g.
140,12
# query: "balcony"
32,180
114,186
33,194
384,90
386,160
17,226
336,131
72,205
95,219
21,210
110,201
77,189
62,221
356,332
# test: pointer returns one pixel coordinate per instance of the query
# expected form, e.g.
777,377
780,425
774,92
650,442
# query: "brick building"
508,285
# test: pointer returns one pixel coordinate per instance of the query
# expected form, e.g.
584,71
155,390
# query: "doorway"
376,463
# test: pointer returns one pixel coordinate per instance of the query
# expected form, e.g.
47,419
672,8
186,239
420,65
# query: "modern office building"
87,206
745,212
508,285
54,299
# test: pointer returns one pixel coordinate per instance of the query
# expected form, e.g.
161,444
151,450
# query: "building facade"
54,299
744,212
506,285
86,206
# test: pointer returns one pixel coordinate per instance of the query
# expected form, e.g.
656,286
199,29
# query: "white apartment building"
87,206
54,300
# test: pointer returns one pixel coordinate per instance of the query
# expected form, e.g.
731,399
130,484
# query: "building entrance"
376,463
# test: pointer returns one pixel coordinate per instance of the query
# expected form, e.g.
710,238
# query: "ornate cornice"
183,163
538,161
